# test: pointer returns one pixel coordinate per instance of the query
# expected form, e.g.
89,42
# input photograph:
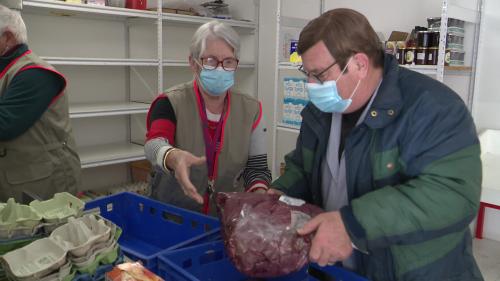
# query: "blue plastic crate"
209,262
150,227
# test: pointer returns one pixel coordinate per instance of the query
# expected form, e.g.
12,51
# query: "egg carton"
104,256
25,221
92,241
101,270
7,245
58,209
78,235
15,216
64,273
35,260
98,248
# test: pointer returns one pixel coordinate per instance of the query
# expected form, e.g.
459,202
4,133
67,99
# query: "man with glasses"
390,154
203,137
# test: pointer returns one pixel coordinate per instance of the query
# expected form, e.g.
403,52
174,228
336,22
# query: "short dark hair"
344,32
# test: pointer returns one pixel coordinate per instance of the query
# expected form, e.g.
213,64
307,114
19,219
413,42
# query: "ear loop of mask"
197,74
355,89
343,70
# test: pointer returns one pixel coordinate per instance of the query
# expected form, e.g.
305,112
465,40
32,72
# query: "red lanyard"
213,146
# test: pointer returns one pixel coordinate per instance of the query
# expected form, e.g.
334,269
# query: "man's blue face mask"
216,81
326,96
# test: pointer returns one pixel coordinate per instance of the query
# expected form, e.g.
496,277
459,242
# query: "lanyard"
213,146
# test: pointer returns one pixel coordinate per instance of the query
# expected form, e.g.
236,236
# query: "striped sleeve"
155,150
257,175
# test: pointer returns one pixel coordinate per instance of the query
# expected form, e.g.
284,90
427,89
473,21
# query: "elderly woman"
37,149
206,118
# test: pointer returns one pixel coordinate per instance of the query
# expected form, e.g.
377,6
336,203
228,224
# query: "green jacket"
413,179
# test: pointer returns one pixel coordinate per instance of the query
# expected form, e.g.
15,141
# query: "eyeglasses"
211,63
316,76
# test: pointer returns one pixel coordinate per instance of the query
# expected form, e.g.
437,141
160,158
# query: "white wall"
486,106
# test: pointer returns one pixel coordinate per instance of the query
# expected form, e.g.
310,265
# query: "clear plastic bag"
260,232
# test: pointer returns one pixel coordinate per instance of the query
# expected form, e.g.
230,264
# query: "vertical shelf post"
159,36
276,87
442,41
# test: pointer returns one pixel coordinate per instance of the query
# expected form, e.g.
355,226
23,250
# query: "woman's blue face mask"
326,96
217,81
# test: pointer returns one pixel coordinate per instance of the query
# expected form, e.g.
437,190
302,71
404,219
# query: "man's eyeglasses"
318,76
211,63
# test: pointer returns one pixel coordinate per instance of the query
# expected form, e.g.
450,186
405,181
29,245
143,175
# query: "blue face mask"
217,81
326,96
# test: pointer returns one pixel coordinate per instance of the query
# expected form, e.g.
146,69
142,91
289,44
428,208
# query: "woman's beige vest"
243,113
43,160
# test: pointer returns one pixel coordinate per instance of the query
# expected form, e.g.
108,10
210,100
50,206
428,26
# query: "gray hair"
11,21
214,30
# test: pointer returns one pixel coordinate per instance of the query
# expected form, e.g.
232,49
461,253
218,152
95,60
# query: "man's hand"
181,161
331,243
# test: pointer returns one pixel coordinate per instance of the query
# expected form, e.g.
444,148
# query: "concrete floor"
487,253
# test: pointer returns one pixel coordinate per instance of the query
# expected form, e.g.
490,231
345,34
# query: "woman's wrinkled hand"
180,162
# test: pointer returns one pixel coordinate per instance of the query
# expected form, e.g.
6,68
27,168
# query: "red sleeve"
161,120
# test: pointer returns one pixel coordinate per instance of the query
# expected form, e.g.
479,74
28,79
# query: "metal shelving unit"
126,151
100,61
284,21
107,109
287,128
186,19
59,8
288,65
110,154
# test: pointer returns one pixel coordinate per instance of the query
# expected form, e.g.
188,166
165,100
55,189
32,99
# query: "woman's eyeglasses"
211,63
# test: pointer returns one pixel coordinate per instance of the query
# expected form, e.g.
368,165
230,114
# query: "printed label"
44,261
292,201
37,265
410,56
420,56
